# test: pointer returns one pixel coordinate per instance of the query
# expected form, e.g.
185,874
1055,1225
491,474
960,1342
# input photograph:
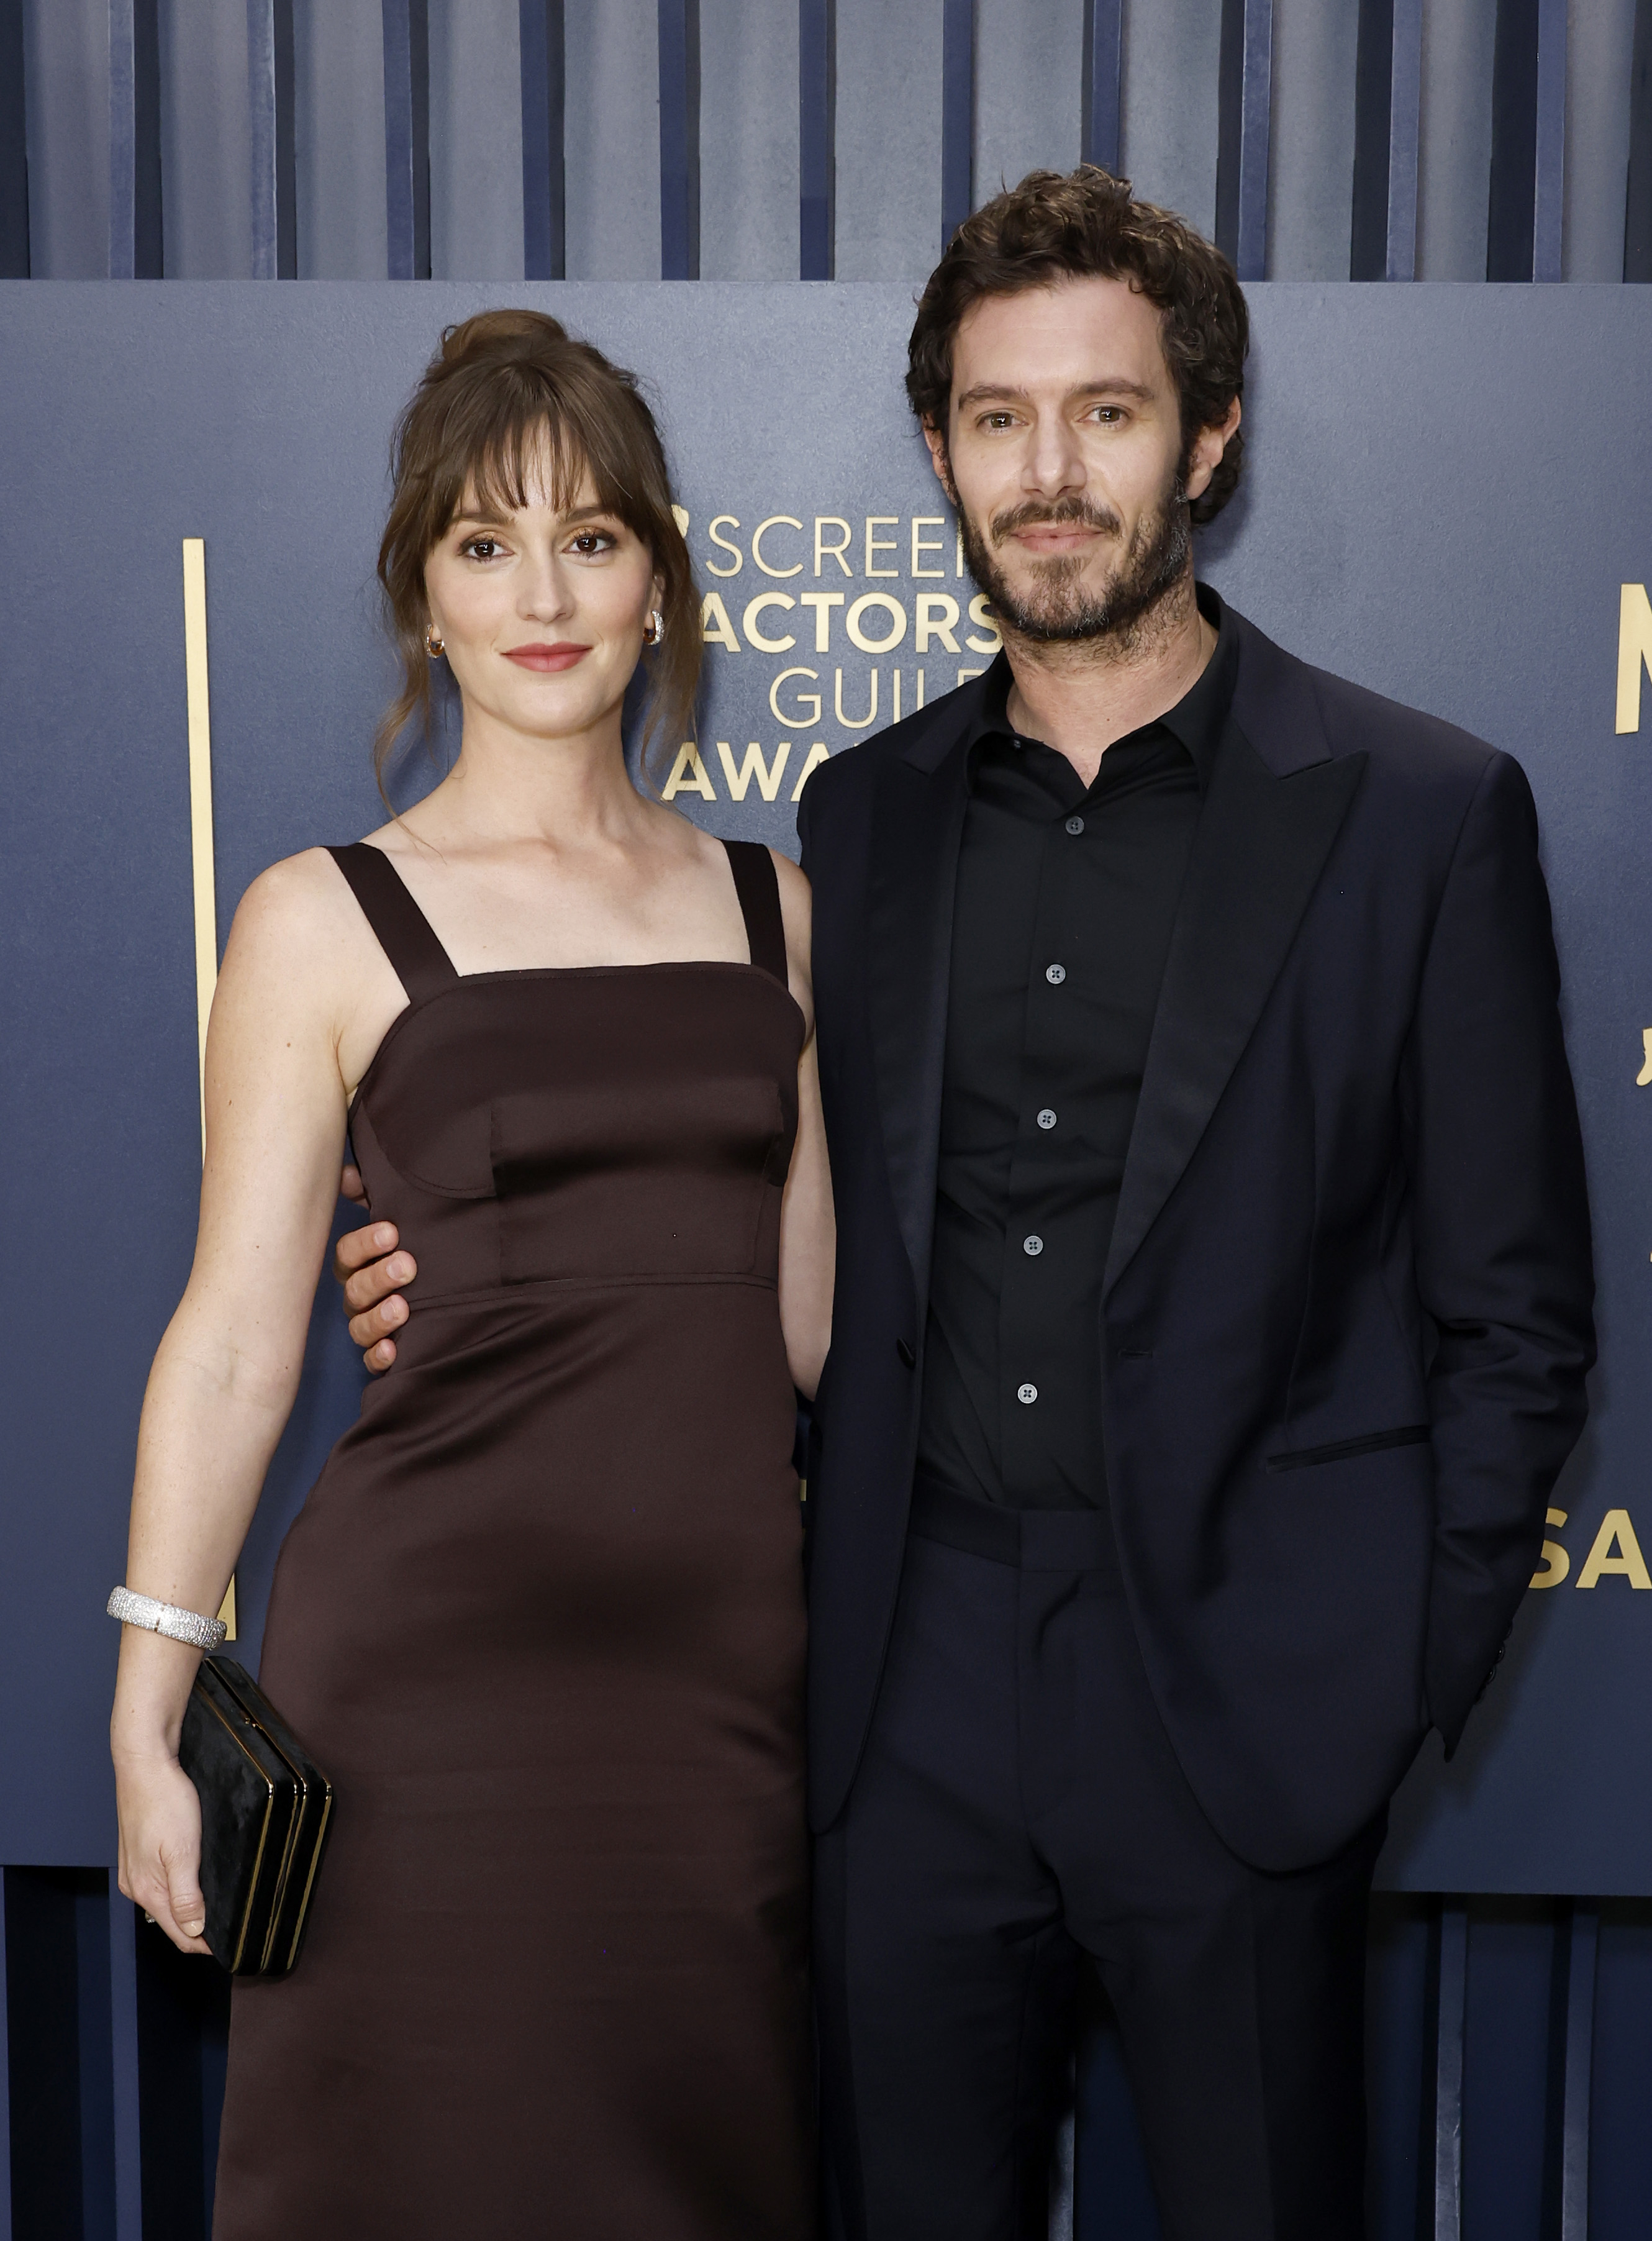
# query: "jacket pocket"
1370,1444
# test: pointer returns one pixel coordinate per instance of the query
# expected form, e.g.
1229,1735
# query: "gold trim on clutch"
264,1833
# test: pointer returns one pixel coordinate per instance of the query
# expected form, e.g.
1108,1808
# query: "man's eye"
998,420
1109,413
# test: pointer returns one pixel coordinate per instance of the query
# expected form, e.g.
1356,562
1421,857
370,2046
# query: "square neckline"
420,962
404,932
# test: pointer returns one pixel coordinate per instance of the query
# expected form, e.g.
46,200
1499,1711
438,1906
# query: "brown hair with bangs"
505,391
1085,224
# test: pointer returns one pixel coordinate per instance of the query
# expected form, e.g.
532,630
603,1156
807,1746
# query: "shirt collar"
1196,720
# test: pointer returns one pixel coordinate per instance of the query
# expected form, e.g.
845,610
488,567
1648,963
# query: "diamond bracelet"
166,1618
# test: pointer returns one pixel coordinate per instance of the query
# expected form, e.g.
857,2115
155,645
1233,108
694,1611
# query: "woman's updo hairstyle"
507,393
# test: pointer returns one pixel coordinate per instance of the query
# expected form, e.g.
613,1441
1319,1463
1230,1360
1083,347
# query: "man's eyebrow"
1106,385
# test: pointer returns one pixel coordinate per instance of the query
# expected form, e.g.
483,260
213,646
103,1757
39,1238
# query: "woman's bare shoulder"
299,912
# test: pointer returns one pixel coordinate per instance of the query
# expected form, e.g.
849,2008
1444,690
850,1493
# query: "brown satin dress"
541,1620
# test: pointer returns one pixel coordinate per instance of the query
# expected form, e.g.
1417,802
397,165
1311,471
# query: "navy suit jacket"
1347,1314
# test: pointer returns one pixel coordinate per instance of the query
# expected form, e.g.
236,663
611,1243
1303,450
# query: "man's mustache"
1065,514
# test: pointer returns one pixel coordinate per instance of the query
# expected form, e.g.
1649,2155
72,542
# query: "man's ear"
936,439
1207,448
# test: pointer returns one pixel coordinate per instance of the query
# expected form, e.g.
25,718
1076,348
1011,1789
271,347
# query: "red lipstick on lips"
546,659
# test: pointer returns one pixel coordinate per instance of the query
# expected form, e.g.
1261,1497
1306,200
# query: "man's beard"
1056,609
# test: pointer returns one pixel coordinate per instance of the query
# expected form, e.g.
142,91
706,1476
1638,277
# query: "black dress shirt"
1065,904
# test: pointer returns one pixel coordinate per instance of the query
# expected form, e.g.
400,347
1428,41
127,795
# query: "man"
1214,1294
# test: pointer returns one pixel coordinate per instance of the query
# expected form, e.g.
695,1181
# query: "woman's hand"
160,1845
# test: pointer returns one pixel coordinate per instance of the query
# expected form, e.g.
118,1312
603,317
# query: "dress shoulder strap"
758,889
405,935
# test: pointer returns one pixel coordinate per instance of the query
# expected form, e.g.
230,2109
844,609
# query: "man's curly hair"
1085,224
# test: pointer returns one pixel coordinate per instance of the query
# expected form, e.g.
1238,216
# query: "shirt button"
1055,974
1032,1246
1075,824
1046,1118
1028,1394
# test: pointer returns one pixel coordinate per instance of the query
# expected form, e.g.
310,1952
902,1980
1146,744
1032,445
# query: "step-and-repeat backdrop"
1445,499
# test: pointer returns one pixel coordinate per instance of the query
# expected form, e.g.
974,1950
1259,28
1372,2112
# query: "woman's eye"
481,548
592,541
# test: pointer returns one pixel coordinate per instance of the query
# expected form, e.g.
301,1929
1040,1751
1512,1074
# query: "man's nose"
1052,462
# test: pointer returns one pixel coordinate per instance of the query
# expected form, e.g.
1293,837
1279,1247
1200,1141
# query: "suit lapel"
1265,831
917,832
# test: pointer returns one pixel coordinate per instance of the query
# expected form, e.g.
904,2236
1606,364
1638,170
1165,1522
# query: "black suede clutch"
265,1810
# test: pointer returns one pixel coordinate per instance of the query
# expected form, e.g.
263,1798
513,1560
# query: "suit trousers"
1018,1807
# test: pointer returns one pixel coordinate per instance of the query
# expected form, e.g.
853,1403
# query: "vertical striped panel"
748,141
275,230
1373,118
1637,224
544,226
1387,120
14,146
1514,142
407,139
1169,129
5,2077
1244,104
1581,1930
957,115
1548,184
1600,47
1029,100
134,239
1103,58
1454,162
123,2016
1405,130
1450,2010
817,139
678,139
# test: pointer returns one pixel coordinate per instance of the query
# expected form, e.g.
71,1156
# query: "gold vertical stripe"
200,721
206,905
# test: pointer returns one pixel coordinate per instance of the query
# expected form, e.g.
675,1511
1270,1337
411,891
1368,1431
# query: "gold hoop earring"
654,628
435,644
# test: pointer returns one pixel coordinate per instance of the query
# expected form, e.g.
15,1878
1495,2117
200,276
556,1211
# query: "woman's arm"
227,1370
808,1235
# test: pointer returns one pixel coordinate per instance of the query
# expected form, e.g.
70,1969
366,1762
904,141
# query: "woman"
540,1619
